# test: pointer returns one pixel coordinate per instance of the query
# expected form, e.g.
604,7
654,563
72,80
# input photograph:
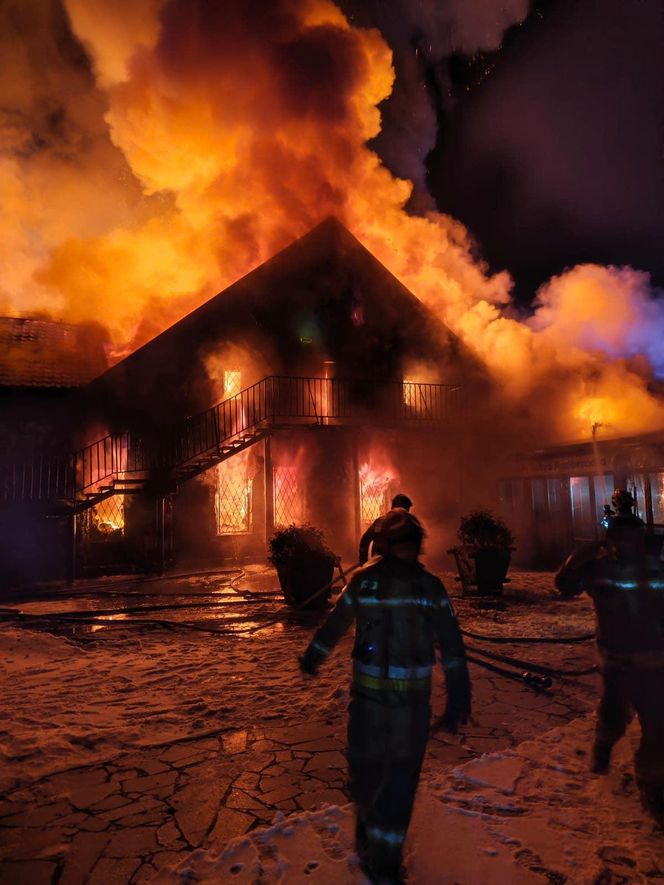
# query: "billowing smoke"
423,37
607,309
156,150
60,174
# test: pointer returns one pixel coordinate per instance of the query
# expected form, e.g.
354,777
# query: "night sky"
549,149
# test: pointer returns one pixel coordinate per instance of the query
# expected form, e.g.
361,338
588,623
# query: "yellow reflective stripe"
379,684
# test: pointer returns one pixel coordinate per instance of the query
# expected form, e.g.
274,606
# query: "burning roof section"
36,353
324,297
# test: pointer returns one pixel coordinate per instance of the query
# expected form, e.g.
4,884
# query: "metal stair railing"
217,432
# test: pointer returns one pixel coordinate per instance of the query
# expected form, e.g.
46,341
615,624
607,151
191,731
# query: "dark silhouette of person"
400,611
623,503
368,537
627,589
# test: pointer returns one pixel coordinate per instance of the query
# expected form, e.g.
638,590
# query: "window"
232,383
233,496
539,497
583,524
657,492
418,398
288,496
554,491
107,519
375,496
603,487
636,486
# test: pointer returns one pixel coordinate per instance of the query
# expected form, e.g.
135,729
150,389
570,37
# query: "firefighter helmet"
401,500
397,525
622,500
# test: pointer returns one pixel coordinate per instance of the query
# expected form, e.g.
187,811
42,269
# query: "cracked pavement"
278,748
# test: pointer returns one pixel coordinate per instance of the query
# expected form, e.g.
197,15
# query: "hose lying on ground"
532,680
544,640
537,668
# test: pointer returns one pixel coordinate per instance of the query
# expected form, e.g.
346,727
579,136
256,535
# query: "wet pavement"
121,818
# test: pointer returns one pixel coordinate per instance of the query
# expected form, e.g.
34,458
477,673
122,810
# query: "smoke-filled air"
154,151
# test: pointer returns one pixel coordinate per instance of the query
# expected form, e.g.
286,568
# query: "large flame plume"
193,139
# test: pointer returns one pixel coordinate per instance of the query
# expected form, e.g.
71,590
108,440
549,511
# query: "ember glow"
375,491
233,495
208,136
109,516
288,496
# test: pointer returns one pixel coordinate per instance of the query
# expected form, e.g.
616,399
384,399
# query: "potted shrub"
488,542
304,563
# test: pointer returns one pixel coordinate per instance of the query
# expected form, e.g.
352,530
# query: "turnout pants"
387,736
638,688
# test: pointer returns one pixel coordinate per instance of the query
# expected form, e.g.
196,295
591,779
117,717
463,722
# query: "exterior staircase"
122,463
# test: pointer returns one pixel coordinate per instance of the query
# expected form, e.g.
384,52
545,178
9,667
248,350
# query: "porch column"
73,548
355,467
268,480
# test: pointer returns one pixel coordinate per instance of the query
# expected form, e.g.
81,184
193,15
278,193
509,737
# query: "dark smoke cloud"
423,36
558,158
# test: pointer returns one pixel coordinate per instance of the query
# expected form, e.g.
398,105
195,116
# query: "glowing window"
603,491
636,485
288,497
410,398
107,519
657,492
374,493
233,498
232,382
582,517
418,398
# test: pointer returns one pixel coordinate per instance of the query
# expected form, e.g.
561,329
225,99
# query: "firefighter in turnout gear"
627,589
623,503
400,612
369,536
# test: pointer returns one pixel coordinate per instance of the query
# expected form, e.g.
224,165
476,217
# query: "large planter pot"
491,566
301,578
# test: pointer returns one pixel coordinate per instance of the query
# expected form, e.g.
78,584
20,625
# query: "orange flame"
214,135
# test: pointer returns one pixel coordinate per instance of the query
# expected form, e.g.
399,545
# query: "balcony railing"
276,400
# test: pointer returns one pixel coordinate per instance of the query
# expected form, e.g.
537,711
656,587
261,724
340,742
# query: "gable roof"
37,353
312,283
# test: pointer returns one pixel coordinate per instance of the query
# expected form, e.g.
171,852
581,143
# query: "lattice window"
375,493
106,520
288,497
233,498
232,382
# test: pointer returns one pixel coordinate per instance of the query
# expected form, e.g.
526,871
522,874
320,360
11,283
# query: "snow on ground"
74,704
529,815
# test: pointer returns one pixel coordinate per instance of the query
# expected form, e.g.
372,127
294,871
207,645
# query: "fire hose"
532,680
536,676
543,640
536,668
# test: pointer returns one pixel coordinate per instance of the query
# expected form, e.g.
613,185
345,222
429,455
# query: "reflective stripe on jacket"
629,602
399,619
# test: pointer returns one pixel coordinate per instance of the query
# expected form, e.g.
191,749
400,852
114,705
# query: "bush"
481,529
297,543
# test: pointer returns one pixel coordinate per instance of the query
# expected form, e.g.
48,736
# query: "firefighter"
369,536
400,611
627,589
623,503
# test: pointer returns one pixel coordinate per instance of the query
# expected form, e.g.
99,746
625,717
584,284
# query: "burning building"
310,390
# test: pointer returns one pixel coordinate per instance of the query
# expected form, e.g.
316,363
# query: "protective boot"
601,757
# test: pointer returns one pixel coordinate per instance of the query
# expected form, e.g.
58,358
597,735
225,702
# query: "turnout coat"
400,615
